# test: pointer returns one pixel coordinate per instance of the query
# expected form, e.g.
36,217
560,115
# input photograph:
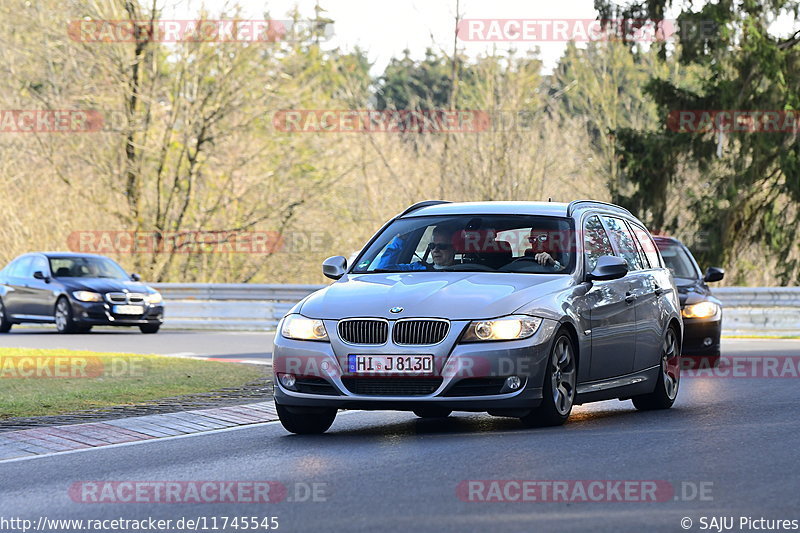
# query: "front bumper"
701,336
467,377
101,314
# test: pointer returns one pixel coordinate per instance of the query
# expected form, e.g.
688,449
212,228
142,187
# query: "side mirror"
714,274
608,267
334,267
136,277
40,275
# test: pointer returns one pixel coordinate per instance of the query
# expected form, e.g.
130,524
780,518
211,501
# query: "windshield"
86,267
486,243
677,259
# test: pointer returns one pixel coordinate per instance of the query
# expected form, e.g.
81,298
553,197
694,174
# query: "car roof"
50,255
558,209
555,209
666,240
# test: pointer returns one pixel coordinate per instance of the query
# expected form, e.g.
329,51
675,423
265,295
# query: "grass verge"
37,382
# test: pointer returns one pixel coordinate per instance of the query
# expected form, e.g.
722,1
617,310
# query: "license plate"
128,310
390,364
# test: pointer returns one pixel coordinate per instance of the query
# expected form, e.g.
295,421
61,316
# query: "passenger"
440,248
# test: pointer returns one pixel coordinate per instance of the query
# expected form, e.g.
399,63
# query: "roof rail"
420,205
573,206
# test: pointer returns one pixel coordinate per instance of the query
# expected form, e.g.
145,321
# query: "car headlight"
700,310
304,329
87,296
502,329
154,298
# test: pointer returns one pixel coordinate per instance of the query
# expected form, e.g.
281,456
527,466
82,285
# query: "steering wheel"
468,266
545,269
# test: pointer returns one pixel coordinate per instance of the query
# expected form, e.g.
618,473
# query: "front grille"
420,332
315,385
364,331
476,387
125,297
392,386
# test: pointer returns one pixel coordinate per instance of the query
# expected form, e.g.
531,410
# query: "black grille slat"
125,297
420,332
363,331
392,386
477,387
315,385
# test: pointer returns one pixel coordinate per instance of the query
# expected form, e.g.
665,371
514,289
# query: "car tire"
5,324
149,328
306,421
558,392
63,316
432,412
669,375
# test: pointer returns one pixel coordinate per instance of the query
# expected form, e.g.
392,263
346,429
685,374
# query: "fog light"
513,382
287,380
707,341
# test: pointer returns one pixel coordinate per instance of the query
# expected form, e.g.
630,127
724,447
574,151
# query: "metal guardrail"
229,306
259,307
760,310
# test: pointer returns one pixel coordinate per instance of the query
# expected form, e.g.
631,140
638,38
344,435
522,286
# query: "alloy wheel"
562,376
62,315
670,364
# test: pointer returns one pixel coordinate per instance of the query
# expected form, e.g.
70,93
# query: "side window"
595,242
648,246
624,241
19,269
38,264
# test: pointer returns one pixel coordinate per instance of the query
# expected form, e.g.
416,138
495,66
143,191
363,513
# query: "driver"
543,248
441,250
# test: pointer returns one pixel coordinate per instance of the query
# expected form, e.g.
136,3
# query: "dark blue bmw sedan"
76,292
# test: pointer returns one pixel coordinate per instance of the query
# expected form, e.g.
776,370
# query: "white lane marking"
159,439
218,358
756,338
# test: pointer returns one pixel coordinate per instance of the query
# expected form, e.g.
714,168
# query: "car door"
40,296
16,297
652,310
611,316
641,291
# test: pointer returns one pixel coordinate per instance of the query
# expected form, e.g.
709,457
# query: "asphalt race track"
728,448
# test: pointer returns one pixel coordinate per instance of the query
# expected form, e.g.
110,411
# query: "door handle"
629,298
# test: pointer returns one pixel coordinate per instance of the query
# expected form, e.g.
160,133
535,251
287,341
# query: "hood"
452,295
103,285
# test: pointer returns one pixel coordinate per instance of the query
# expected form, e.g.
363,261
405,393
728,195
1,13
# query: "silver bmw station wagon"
518,309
